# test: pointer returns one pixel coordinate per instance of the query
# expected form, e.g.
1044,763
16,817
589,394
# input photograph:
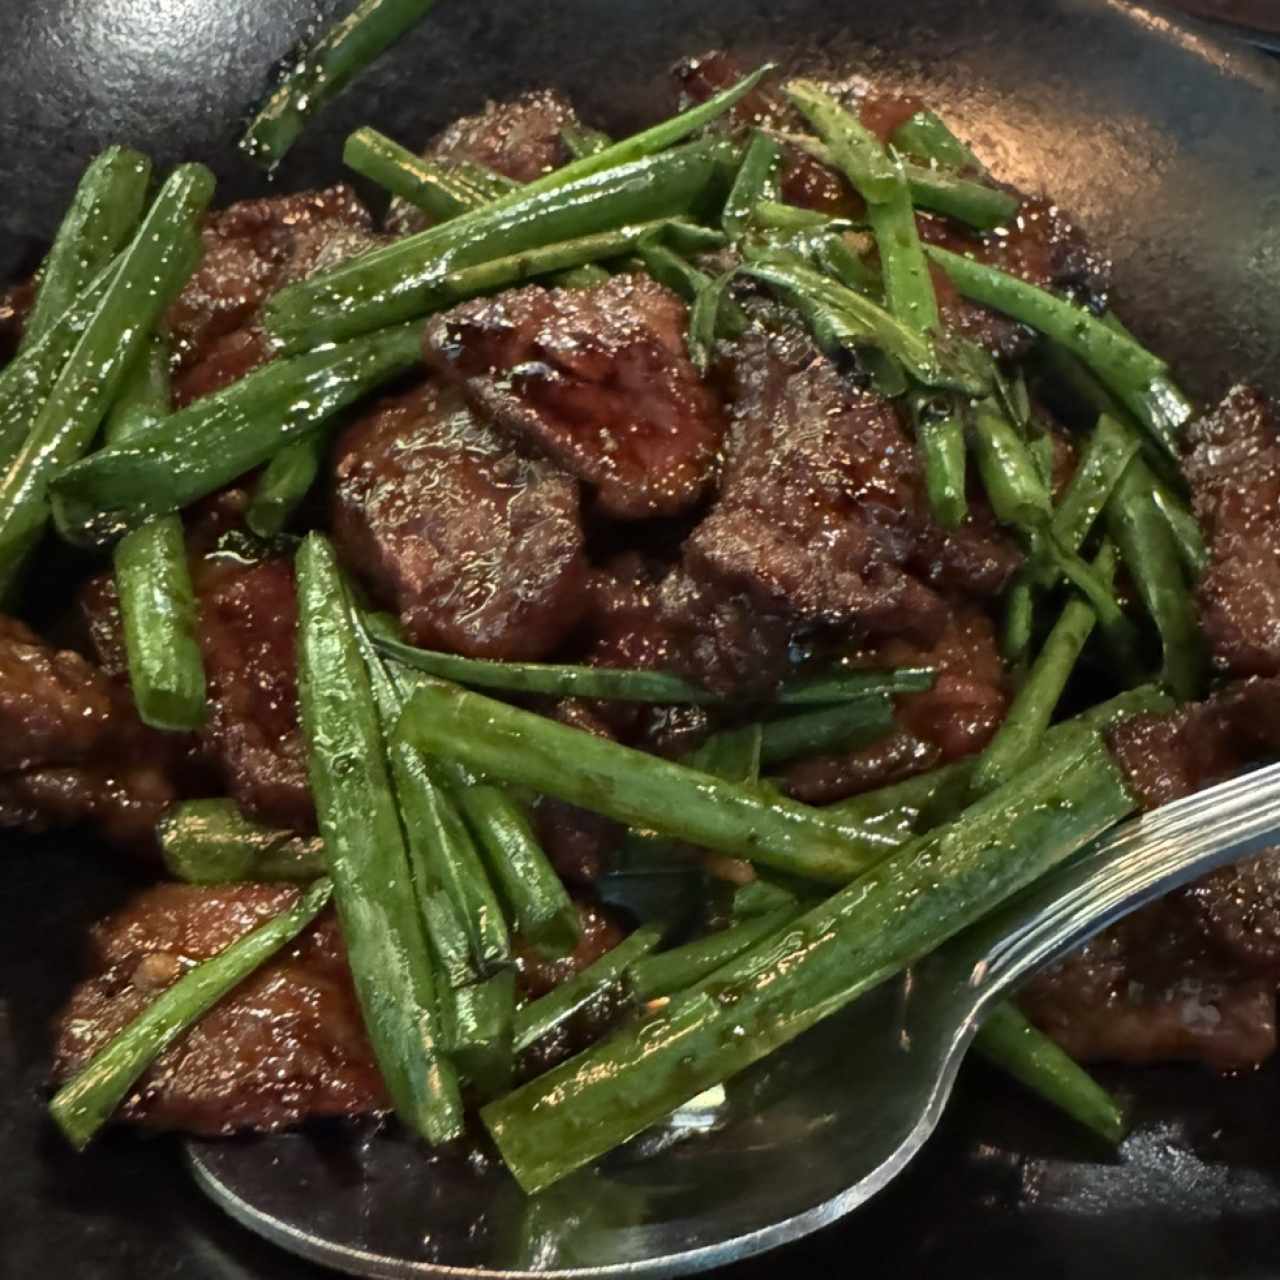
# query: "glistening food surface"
733,450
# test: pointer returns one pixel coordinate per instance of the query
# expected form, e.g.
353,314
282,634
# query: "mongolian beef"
721,501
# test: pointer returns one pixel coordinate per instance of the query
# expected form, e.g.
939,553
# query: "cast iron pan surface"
1160,139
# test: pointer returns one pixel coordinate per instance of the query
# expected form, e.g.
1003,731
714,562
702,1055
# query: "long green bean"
324,71
153,581
212,842
542,1016
100,221
1137,378
581,142
84,1104
152,270
756,181
284,484
636,788
366,855
905,907
464,920
441,193
668,972
927,138
1012,482
1024,727
1009,1041
1151,556
478,1031
843,727
626,685
855,150
219,437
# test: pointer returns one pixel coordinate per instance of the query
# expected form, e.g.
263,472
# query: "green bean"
219,437
616,683
669,972
542,1016
926,137
1018,622
153,580
324,71
758,897
831,254
772,215
633,787
586,276
942,448
1024,727
540,906
152,270
1017,494
365,851
102,218
977,204
488,183
1109,451
85,1103
403,280
478,1029
733,754
1009,1041
284,484
902,909
212,842
856,321
706,322
1151,556
434,188
464,919
1185,528
670,269
581,142
1137,378
756,181
855,150
844,727
27,380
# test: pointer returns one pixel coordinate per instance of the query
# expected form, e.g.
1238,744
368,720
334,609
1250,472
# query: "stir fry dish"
547,643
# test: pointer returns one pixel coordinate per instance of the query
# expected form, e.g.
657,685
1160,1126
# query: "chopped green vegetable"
212,842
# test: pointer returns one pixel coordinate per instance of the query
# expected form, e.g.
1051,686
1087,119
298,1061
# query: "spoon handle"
1138,861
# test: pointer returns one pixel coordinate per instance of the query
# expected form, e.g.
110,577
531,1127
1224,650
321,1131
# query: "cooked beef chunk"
1166,757
479,549
286,1045
248,620
73,748
1233,464
1192,976
597,379
520,139
821,521
251,249
1155,988
955,718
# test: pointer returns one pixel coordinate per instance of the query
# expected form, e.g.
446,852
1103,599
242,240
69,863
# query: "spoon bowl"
794,1143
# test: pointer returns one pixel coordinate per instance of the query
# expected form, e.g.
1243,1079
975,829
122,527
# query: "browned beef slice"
597,379
520,139
1233,464
251,249
286,1045
1192,976
73,748
955,718
479,549
248,620
821,521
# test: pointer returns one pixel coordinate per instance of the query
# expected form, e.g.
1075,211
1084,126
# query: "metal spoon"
788,1147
